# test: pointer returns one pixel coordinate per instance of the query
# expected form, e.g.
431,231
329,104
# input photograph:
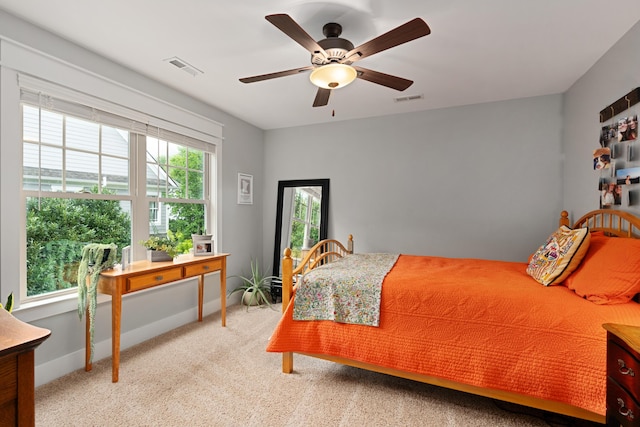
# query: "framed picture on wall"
628,176
602,158
608,133
627,128
245,189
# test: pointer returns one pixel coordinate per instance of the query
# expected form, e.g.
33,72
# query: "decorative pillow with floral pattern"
559,256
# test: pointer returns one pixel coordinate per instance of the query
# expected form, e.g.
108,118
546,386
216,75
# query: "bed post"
287,290
287,278
350,244
564,219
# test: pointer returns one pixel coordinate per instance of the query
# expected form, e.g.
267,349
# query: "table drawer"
153,279
203,268
621,406
623,367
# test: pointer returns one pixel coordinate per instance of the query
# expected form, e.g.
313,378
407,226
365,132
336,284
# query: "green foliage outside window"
297,236
299,222
186,169
58,229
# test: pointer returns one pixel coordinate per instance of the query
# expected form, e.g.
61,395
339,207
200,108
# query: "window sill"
41,309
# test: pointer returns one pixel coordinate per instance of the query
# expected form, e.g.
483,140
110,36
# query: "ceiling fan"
331,58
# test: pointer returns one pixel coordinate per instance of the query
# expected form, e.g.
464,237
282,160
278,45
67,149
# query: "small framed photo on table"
202,245
245,189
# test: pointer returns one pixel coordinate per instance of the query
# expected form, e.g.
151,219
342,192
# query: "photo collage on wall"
618,161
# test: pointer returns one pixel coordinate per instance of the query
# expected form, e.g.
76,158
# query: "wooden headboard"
613,223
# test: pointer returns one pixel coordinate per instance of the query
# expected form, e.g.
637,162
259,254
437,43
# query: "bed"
486,327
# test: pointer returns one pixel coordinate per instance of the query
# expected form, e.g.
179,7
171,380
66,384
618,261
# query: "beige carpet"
204,375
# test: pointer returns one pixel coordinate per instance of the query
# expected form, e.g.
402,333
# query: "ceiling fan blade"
411,30
287,25
276,75
394,82
322,97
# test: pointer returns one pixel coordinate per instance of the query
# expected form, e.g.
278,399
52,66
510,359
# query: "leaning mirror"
301,217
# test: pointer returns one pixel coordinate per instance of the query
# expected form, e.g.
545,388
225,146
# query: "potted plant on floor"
254,288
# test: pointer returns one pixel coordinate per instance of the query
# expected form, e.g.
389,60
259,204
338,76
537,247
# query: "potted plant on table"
160,248
255,287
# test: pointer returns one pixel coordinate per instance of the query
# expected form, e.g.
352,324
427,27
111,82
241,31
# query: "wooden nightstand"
623,375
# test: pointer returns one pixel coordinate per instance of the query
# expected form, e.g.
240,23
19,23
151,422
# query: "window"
83,182
305,224
65,154
176,172
154,218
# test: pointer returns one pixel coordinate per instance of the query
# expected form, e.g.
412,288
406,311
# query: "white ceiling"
478,51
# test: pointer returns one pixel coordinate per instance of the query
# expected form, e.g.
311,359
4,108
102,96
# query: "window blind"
63,100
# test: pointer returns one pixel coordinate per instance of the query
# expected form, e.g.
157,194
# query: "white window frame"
21,66
135,194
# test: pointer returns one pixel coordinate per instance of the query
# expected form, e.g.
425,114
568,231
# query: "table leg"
223,291
116,315
200,296
87,342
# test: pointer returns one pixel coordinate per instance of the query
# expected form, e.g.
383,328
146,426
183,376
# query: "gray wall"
148,313
612,77
474,181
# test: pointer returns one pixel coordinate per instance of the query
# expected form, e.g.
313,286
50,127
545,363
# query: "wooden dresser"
18,341
623,375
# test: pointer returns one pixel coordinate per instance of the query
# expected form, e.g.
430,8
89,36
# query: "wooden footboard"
323,252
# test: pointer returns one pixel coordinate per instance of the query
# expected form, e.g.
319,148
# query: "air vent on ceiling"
184,66
408,98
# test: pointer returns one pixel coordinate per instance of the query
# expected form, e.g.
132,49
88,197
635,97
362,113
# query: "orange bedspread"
478,322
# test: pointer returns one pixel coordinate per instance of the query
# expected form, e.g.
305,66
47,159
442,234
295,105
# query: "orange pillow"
559,256
610,272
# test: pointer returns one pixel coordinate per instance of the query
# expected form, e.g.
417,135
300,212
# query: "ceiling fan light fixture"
333,76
